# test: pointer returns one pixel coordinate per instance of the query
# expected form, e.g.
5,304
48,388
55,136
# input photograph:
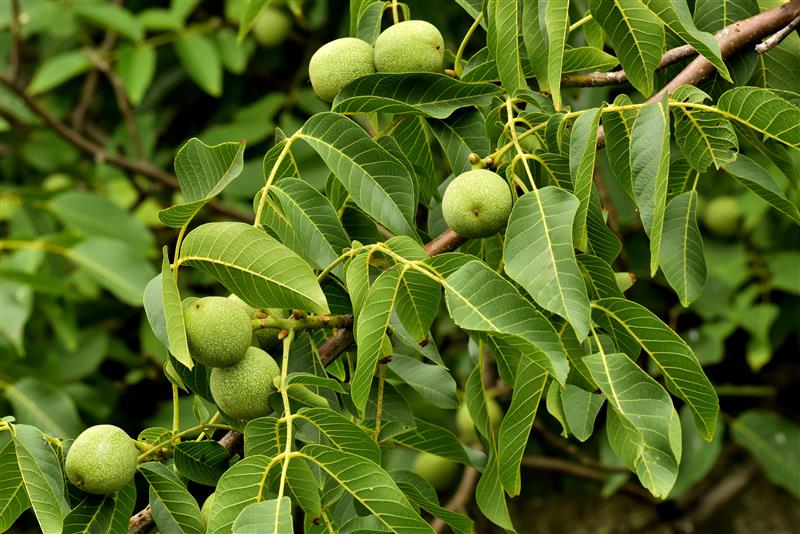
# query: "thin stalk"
457,66
214,419
176,411
176,255
287,412
395,13
184,433
577,24
271,178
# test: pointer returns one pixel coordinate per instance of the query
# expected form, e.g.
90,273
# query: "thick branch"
558,465
778,37
306,323
447,241
731,39
618,77
145,168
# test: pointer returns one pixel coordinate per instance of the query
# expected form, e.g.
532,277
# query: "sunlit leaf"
253,265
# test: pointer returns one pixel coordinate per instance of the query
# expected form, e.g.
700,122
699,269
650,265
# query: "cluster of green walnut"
476,203
219,332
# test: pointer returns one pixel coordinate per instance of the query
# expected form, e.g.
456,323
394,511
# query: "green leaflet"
539,254
41,474
377,182
203,172
683,373
426,94
637,36
370,332
371,486
643,427
480,300
173,315
582,153
503,42
763,111
682,258
515,427
704,137
649,162
556,18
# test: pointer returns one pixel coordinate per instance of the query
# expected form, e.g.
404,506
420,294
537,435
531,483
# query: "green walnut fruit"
410,46
101,460
477,203
266,337
338,63
466,426
218,331
205,511
439,472
272,27
721,216
241,389
234,9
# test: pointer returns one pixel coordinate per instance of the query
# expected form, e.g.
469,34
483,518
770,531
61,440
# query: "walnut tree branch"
731,39
775,39
618,77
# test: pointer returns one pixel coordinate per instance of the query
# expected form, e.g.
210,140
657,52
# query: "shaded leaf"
377,182
775,444
682,258
643,427
203,172
427,94
649,153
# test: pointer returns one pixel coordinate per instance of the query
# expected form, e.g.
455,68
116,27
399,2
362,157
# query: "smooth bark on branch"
618,77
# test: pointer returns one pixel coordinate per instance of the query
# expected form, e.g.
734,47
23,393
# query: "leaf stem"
176,411
577,24
395,13
515,140
457,63
155,448
287,413
342,257
176,255
271,178
214,419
